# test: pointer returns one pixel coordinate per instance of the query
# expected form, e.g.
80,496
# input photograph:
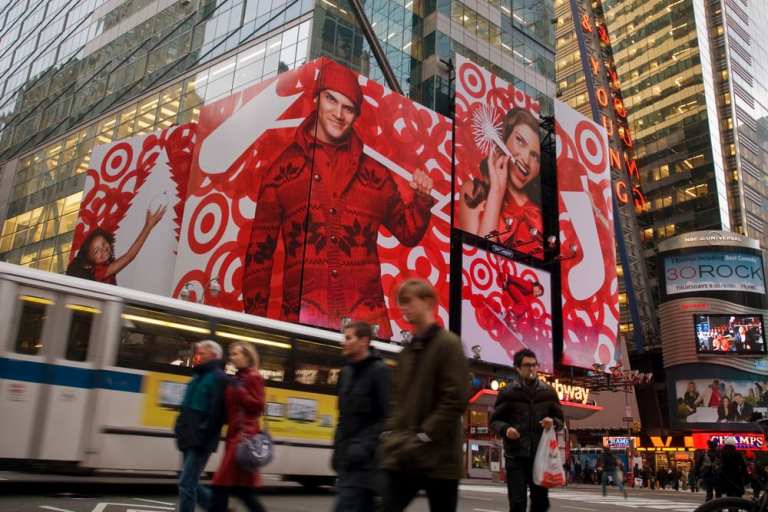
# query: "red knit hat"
341,79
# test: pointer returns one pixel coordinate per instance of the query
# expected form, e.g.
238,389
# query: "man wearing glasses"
524,408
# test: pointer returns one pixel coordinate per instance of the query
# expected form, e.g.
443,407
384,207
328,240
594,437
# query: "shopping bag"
548,466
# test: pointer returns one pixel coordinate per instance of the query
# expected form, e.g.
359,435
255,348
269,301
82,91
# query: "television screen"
729,334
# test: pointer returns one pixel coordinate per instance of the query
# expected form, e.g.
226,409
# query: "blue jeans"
190,491
618,481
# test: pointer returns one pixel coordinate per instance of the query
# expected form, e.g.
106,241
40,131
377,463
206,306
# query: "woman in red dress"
96,260
506,197
245,404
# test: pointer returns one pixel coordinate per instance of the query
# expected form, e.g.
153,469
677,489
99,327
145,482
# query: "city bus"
92,375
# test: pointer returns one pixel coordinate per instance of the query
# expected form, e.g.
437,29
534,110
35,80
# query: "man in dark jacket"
611,469
364,388
524,408
421,448
733,472
706,469
198,426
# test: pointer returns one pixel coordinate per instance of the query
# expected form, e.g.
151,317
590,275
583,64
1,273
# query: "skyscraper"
693,77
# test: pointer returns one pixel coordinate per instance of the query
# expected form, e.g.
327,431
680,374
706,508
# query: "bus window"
153,340
273,349
82,320
317,364
34,311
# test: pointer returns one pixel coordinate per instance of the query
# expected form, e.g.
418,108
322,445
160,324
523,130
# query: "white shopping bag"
548,466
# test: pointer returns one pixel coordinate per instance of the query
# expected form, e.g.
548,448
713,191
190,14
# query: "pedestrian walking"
733,474
707,470
693,481
198,425
245,404
422,445
611,468
523,409
364,393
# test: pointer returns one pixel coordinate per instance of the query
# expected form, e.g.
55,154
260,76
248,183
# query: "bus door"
63,414
24,371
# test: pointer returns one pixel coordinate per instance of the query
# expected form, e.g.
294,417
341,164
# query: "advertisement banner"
133,200
498,160
717,271
719,400
308,198
587,242
505,307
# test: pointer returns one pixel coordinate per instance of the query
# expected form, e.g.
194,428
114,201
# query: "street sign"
627,419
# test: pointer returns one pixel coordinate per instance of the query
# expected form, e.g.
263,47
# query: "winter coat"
198,425
523,406
364,394
733,471
430,394
608,460
332,270
245,404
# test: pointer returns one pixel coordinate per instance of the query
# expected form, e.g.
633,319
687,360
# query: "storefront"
484,450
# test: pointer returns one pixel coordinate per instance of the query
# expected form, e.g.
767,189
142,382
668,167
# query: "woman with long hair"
507,197
245,405
95,260
725,411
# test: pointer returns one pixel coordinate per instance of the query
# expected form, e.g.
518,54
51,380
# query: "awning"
571,410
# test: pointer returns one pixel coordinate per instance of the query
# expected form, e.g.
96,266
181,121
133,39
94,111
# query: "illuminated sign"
612,115
714,271
567,392
751,441
619,443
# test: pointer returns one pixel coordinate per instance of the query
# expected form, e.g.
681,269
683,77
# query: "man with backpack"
707,470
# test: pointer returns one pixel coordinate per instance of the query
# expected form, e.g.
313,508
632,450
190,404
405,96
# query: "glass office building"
694,80
78,73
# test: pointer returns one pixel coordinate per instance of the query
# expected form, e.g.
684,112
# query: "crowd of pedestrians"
399,432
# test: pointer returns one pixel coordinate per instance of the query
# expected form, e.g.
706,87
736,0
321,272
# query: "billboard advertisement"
719,400
717,271
587,243
130,217
308,198
505,307
498,160
729,334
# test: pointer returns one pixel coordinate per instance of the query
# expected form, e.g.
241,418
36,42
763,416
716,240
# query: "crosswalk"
585,499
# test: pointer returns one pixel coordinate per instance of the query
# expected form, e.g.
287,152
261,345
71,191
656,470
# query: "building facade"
78,74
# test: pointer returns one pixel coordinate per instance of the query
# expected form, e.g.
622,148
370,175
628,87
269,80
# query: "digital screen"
717,271
719,400
506,306
498,160
729,334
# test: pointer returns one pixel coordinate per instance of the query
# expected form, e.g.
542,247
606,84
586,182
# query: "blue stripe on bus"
59,375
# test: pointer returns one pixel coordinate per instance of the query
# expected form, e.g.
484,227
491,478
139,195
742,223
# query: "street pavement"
475,496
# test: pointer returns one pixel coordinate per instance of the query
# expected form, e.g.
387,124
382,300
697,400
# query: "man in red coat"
327,200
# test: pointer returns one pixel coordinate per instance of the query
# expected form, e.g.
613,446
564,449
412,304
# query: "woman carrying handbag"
245,404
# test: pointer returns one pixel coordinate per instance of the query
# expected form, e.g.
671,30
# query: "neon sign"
748,441
613,115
